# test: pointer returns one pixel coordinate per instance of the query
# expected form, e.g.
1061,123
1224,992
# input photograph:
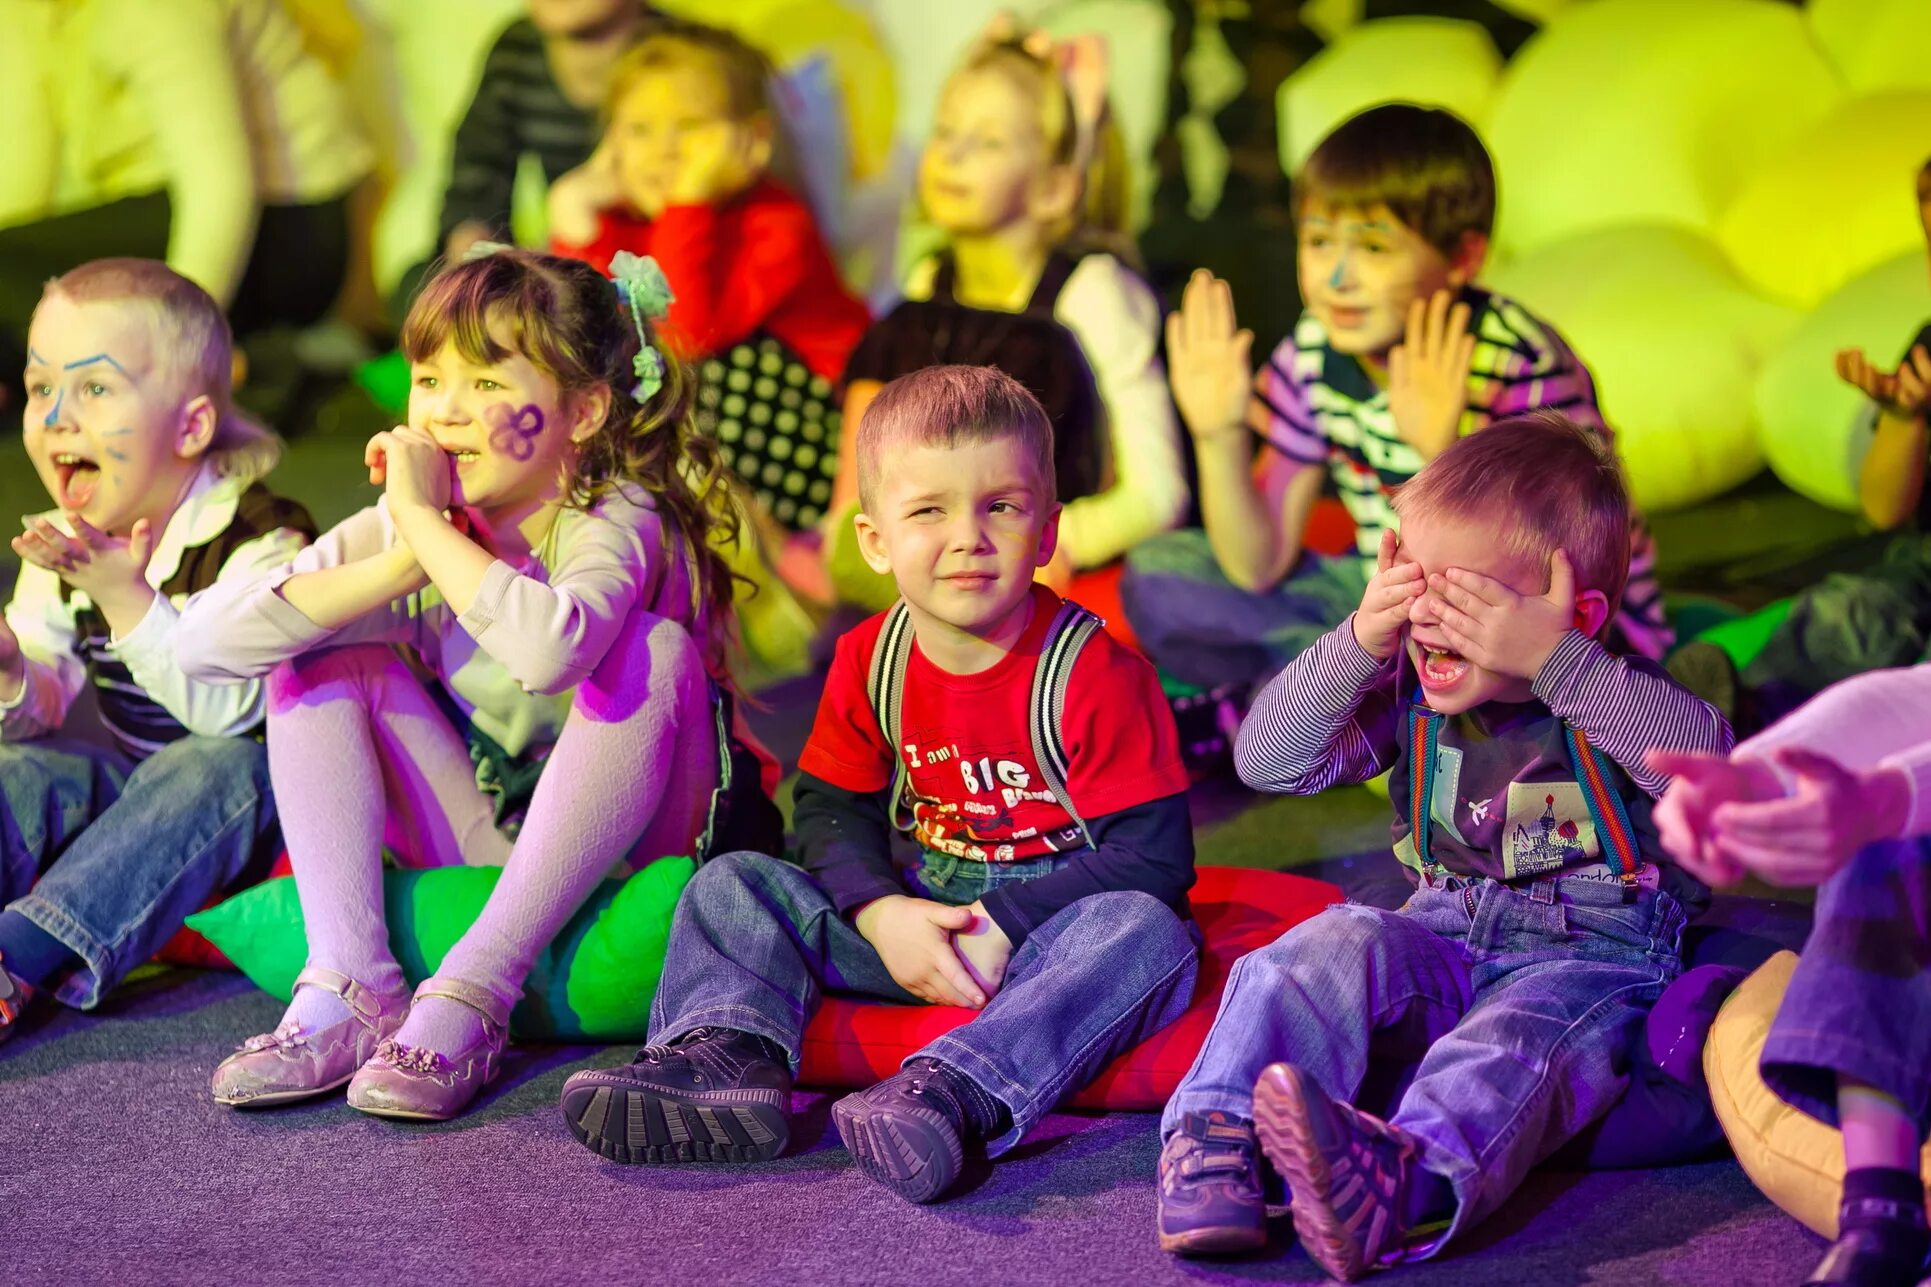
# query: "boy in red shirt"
1054,855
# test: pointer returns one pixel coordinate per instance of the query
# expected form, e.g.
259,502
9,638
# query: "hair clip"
478,249
645,289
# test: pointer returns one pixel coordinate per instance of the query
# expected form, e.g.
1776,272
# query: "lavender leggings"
359,751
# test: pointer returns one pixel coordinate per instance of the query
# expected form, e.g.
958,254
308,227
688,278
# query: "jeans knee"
1139,918
1344,935
728,874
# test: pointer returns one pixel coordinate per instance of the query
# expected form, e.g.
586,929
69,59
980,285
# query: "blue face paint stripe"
35,357
117,455
53,412
98,357
1340,267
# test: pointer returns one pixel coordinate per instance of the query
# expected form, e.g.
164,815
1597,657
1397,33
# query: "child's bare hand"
913,937
1806,837
1391,592
92,561
1499,629
579,197
1685,816
1210,374
1428,373
985,949
410,468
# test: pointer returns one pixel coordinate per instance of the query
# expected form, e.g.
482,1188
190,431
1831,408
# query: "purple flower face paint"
514,430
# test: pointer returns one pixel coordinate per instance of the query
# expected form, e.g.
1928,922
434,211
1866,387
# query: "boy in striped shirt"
1545,920
1397,355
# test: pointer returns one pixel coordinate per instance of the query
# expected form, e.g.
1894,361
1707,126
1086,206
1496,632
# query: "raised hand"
1905,390
1428,373
579,197
913,937
1498,628
1208,359
1391,592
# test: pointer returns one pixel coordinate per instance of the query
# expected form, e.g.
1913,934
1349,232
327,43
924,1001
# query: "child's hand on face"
110,570
578,198
719,161
1905,391
985,949
1684,817
1209,373
913,937
1428,374
410,468
1806,837
1385,603
1497,628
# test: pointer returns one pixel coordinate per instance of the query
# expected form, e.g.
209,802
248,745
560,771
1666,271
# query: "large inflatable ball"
1649,111
1438,62
1874,44
1815,427
1840,200
1674,340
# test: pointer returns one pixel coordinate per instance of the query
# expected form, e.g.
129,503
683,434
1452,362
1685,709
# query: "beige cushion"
1796,1160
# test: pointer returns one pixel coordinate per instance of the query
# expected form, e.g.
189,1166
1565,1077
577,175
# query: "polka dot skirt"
777,425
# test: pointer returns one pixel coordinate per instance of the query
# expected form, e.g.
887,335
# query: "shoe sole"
1224,1241
913,1152
282,1096
1286,1133
637,1123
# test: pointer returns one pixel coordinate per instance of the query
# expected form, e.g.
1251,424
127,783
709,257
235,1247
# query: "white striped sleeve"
1627,706
1329,719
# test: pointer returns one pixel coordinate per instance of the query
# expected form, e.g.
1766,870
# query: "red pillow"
852,1044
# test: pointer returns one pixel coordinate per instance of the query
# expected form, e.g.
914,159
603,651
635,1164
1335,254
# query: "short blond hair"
951,406
1544,483
744,70
193,347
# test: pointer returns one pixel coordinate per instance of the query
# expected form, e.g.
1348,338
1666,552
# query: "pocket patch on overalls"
1548,827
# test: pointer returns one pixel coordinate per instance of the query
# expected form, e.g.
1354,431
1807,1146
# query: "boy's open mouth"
1440,667
76,479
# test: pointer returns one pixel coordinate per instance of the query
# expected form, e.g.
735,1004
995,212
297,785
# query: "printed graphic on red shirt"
975,788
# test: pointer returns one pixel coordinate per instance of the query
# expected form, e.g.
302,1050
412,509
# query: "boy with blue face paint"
154,475
1396,355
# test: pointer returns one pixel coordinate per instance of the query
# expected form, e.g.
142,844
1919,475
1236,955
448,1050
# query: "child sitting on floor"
155,475
1397,355
1019,177
1520,970
545,547
1034,763
681,176
1838,796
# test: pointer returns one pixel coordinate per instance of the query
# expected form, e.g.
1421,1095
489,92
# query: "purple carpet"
117,1167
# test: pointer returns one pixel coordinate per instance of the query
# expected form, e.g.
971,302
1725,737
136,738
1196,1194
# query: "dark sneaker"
1211,1203
1345,1171
713,1095
1861,1258
908,1132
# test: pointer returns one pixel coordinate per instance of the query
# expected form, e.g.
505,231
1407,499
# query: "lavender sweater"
531,636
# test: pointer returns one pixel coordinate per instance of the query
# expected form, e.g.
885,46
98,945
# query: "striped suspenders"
1593,774
1071,627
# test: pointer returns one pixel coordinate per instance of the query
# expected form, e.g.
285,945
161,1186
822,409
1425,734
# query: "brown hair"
1924,184
1100,219
567,319
745,71
192,344
1423,163
1545,483
948,406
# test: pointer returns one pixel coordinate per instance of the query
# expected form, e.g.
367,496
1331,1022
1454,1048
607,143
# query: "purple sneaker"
1346,1171
712,1095
1211,1202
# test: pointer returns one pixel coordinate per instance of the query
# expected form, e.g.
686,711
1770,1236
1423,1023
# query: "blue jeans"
755,940
1859,1001
123,855
1519,1010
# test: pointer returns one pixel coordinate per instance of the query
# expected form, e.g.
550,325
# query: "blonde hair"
1544,483
744,70
566,318
192,347
951,406
1100,219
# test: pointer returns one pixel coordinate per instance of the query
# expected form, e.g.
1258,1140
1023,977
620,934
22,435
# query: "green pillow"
595,982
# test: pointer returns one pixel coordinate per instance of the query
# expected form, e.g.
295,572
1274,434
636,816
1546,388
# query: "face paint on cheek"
53,412
1339,275
514,431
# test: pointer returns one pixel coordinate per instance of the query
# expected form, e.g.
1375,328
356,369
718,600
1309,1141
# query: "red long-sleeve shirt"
753,263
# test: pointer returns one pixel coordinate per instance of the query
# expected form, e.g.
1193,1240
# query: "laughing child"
1517,977
155,478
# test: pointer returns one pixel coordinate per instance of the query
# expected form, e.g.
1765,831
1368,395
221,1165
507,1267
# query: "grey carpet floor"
115,1166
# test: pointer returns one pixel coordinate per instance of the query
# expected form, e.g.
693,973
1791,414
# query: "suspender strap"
1424,740
1072,627
886,688
1606,809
